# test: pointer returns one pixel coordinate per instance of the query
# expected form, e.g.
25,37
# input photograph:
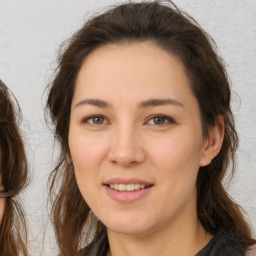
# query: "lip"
127,181
127,196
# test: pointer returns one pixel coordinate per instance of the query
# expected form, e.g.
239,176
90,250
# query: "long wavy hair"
176,32
14,172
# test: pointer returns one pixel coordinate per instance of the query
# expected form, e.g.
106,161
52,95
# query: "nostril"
113,161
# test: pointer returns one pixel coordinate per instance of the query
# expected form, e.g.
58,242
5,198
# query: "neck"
178,240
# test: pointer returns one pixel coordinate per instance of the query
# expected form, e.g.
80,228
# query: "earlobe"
213,143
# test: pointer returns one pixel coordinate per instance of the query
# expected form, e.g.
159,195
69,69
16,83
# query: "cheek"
83,161
177,151
87,153
86,150
176,162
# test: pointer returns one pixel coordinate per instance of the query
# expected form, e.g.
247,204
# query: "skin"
2,200
127,141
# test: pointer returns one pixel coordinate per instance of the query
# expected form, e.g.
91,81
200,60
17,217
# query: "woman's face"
135,138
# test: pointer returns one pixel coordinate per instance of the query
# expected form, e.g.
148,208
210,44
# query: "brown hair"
176,32
13,168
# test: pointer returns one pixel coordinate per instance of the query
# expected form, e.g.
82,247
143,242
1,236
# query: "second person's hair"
14,171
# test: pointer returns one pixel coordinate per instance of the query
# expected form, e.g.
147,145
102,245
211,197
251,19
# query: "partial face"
2,200
136,138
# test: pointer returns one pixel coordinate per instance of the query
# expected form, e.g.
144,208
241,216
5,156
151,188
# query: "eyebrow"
93,102
160,102
143,104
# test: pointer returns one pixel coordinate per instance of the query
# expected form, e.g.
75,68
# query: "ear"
213,142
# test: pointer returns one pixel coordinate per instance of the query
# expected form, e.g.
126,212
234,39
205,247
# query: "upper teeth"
127,187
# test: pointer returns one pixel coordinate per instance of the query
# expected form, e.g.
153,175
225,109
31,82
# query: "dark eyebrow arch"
93,102
160,102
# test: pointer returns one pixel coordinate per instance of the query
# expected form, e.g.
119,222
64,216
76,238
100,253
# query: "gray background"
30,34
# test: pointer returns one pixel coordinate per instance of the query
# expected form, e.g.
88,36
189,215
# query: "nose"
126,148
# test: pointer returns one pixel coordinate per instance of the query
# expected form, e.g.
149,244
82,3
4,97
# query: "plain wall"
30,34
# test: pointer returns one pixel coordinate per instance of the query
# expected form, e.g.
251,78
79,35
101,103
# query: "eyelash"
87,120
167,120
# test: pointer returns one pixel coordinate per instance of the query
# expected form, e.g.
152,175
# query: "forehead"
137,70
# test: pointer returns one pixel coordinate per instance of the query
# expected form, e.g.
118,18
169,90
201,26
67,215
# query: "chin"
128,226
128,230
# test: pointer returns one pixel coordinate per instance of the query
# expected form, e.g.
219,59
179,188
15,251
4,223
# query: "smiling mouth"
128,187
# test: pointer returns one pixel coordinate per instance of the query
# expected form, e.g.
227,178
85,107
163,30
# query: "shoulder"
251,251
222,244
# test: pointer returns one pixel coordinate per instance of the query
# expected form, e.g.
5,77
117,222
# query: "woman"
141,108
13,173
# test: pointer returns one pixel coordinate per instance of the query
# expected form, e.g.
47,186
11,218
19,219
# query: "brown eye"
159,120
97,120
